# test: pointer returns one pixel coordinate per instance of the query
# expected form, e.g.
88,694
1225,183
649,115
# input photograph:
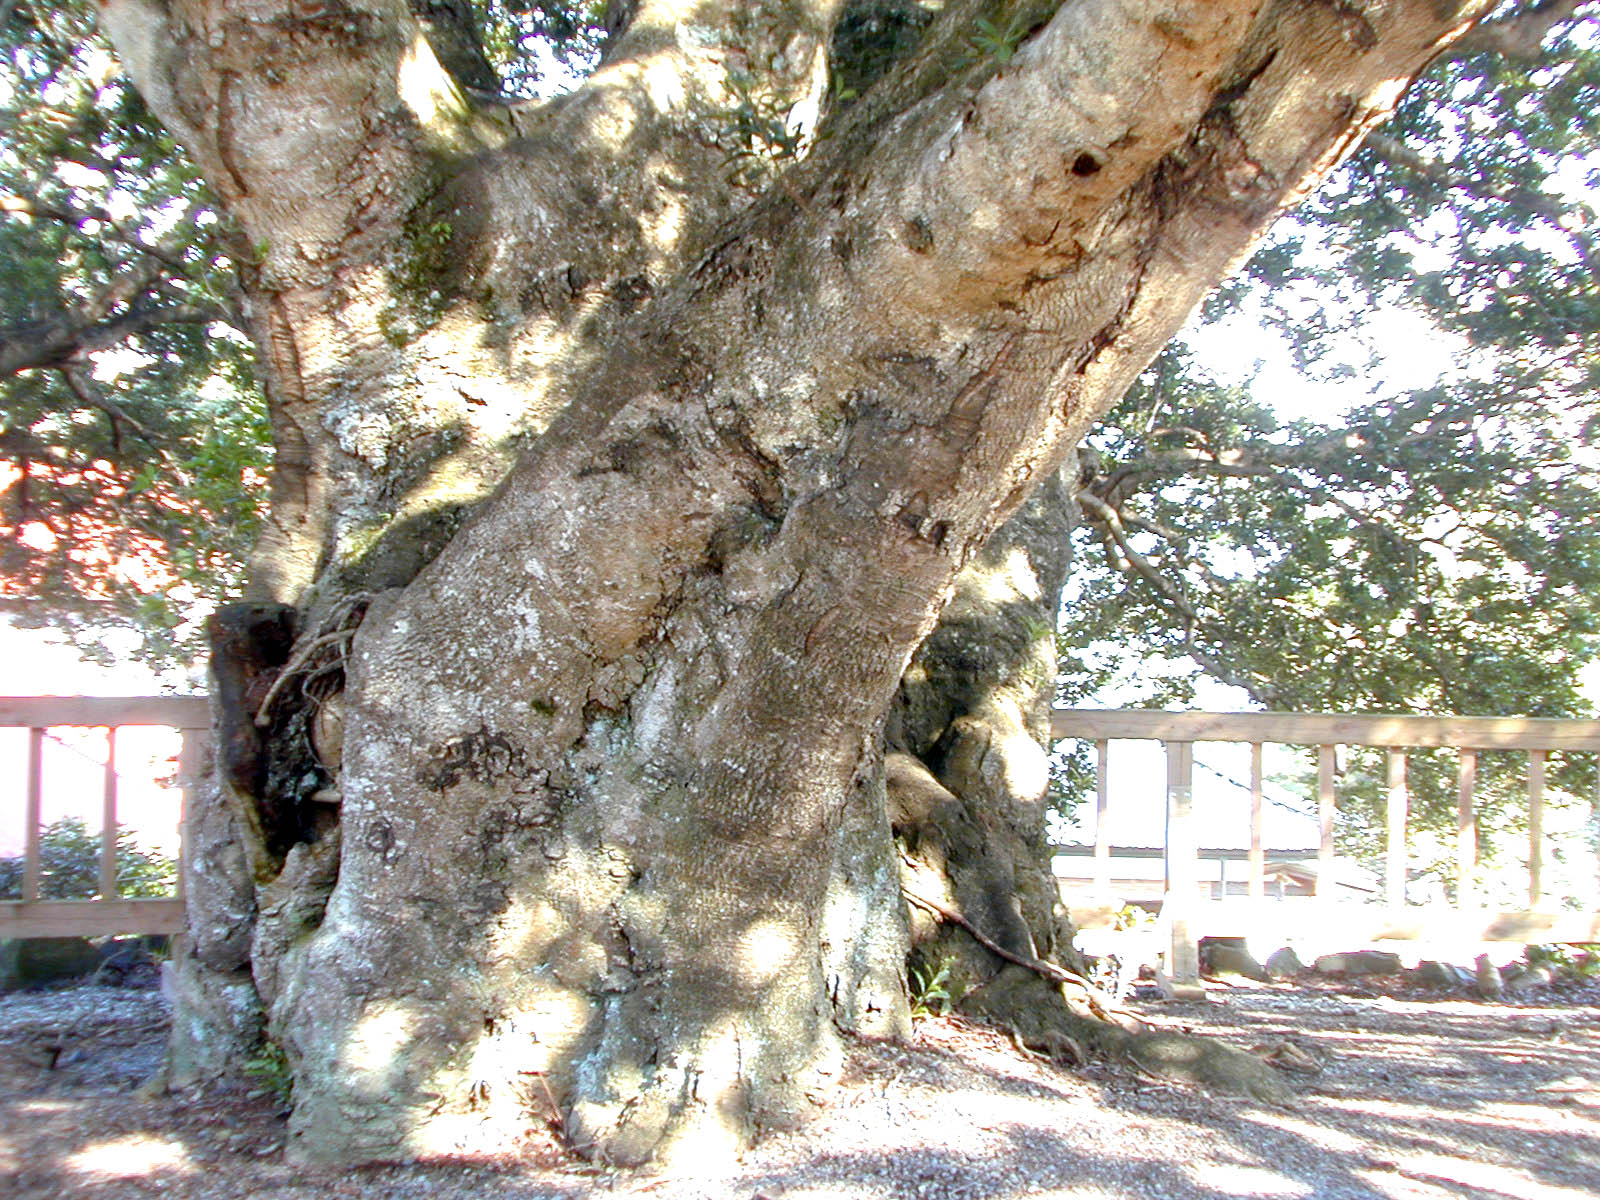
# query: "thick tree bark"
606,754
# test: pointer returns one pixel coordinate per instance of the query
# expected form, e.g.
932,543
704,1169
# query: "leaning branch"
90,396
54,343
1521,36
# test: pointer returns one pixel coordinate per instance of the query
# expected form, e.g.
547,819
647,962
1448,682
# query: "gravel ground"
1418,1097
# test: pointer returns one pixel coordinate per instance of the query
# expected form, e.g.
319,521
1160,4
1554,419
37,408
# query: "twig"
556,1119
87,395
1048,970
1164,587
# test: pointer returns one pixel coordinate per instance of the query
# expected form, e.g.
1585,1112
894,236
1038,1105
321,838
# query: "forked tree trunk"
598,806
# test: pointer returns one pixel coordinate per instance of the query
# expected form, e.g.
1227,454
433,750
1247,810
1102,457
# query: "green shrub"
69,866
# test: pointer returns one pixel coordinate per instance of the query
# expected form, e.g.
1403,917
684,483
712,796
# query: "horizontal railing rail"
33,915
108,913
1333,729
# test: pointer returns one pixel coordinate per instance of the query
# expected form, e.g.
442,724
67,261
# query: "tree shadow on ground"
1421,1099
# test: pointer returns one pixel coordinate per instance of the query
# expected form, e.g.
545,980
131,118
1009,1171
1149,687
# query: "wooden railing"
1468,736
109,912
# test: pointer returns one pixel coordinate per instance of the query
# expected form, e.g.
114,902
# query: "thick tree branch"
72,339
133,302
1521,35
1530,200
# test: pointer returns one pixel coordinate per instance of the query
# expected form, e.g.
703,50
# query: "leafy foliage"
533,47
69,863
1432,552
133,440
1582,961
757,131
930,994
270,1068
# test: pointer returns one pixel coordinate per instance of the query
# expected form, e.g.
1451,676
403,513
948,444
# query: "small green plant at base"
270,1067
930,988
1582,960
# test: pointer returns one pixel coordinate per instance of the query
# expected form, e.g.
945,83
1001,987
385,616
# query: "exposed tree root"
1042,1007
1073,985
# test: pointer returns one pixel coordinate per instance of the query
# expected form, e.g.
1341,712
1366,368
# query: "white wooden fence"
109,912
1187,912
33,916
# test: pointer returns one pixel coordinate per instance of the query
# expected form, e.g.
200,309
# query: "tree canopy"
133,433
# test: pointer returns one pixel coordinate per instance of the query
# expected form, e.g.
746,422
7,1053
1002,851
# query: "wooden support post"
1102,826
1395,881
108,820
31,815
1536,760
1183,867
1466,830
1258,857
1325,810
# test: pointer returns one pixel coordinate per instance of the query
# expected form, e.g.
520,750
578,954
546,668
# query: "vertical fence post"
1102,828
1536,760
31,814
1183,873
1325,809
1395,876
108,820
1258,858
1466,830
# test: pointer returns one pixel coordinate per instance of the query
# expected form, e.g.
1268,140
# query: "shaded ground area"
1418,1096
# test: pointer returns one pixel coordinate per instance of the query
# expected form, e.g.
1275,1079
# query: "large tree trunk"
586,790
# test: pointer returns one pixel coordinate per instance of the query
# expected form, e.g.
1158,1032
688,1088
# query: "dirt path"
1417,1098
